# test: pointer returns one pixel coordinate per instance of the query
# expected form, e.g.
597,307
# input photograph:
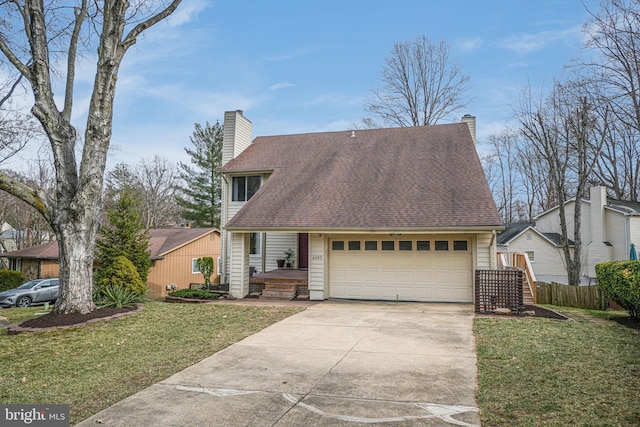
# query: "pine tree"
200,196
125,236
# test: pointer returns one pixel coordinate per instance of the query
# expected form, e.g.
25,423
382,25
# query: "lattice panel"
498,289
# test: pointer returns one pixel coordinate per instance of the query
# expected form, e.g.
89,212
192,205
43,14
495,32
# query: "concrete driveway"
336,363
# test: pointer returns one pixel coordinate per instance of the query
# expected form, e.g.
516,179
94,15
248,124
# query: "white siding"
485,252
634,231
239,265
616,234
318,255
548,260
550,222
236,135
277,244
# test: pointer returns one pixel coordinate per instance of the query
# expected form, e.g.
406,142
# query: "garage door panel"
401,275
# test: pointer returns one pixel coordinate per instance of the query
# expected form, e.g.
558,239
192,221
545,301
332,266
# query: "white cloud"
187,12
525,43
467,45
282,85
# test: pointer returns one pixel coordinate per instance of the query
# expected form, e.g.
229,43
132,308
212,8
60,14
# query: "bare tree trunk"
74,210
75,249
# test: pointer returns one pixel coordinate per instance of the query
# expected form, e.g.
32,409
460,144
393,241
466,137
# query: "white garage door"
404,269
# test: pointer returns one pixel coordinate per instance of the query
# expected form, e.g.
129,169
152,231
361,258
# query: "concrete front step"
279,290
279,294
291,287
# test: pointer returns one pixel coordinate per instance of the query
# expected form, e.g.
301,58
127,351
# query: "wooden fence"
587,297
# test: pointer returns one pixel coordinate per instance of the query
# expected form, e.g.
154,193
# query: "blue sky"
307,66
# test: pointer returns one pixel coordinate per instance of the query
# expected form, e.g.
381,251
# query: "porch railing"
520,261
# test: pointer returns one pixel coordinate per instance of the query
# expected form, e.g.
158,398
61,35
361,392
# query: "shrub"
194,293
121,273
10,279
119,297
206,267
620,282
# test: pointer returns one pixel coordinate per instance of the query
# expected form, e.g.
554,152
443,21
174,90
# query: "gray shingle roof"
402,178
511,231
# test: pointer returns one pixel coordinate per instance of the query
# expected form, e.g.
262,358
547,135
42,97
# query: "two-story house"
382,214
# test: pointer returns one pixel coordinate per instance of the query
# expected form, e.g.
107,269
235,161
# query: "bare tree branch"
420,85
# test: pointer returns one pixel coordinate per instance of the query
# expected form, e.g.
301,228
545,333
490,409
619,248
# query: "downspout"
263,251
627,232
224,236
493,250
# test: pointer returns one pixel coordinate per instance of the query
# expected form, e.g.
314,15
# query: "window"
441,245
354,245
459,245
194,266
423,245
254,244
371,245
405,245
337,245
244,187
388,245
531,255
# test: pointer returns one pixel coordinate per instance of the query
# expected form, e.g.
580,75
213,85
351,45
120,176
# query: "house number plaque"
316,257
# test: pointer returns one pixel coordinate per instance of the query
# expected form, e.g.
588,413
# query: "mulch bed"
55,319
539,312
629,322
544,312
61,321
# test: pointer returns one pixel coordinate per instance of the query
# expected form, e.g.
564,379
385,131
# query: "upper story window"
244,187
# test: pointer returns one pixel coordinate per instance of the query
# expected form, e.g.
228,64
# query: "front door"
303,250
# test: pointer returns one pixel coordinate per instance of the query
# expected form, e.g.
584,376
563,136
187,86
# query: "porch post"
239,268
318,270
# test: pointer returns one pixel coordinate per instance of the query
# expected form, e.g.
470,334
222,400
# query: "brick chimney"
471,122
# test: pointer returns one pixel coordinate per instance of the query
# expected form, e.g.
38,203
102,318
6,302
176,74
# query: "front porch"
281,283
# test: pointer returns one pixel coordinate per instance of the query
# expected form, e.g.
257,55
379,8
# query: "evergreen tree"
200,196
125,236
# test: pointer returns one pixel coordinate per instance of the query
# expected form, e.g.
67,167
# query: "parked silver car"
37,291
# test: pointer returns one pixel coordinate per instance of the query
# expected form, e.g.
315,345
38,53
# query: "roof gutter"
411,230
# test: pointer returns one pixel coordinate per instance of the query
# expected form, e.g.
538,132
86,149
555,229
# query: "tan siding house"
173,251
173,255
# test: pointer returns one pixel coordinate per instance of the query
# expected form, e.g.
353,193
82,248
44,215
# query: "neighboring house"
608,227
382,214
36,262
544,250
173,255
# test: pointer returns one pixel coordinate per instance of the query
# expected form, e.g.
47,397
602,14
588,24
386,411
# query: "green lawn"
95,366
541,372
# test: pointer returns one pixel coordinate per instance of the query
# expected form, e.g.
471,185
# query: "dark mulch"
629,322
54,319
545,312
539,312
